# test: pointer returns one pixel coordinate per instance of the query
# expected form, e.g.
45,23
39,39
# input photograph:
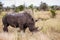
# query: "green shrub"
21,7
31,7
53,14
17,10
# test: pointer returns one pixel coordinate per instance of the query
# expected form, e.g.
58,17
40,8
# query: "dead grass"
50,28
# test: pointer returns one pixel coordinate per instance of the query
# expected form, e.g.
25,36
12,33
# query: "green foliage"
52,7
1,7
21,7
31,6
53,14
37,8
17,9
55,7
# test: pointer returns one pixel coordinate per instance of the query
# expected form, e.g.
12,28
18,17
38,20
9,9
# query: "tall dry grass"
49,28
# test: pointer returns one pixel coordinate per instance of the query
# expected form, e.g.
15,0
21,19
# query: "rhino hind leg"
5,28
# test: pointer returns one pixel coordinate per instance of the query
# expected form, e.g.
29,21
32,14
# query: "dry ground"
49,28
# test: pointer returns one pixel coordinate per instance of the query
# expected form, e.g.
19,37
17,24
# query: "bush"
53,14
31,7
19,8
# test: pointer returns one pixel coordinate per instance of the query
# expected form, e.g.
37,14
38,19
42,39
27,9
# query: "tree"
55,7
21,7
17,9
31,7
1,7
37,8
43,6
7,8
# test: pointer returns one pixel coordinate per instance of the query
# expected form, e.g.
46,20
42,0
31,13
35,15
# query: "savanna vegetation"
49,23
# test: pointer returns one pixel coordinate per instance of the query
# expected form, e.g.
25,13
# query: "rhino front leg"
21,27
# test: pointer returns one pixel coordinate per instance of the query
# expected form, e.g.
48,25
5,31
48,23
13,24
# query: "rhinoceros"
19,20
